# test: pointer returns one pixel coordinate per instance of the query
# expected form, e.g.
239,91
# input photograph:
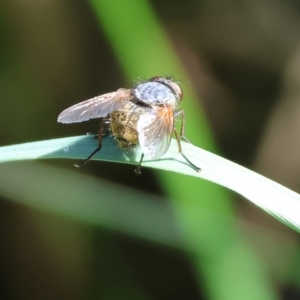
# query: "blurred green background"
90,233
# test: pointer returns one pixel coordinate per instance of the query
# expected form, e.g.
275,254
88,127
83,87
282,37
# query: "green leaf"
272,197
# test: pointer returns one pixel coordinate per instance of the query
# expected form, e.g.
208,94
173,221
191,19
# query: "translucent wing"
96,107
155,131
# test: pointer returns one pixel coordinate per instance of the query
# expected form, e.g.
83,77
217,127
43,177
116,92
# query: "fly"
143,115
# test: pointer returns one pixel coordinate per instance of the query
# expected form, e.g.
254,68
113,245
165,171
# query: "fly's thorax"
156,93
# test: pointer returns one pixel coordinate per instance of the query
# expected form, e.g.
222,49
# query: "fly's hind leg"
181,136
103,129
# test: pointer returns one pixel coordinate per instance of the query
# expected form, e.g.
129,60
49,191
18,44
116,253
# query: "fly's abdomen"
123,124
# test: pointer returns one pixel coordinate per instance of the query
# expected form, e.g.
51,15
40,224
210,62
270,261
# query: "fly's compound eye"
157,78
176,88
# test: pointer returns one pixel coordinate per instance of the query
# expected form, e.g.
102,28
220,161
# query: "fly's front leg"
182,127
181,136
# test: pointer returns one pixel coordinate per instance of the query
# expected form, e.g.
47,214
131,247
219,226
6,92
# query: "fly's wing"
155,131
97,107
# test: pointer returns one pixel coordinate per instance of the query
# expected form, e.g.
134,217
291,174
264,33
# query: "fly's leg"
180,151
182,133
103,127
139,166
89,157
181,136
